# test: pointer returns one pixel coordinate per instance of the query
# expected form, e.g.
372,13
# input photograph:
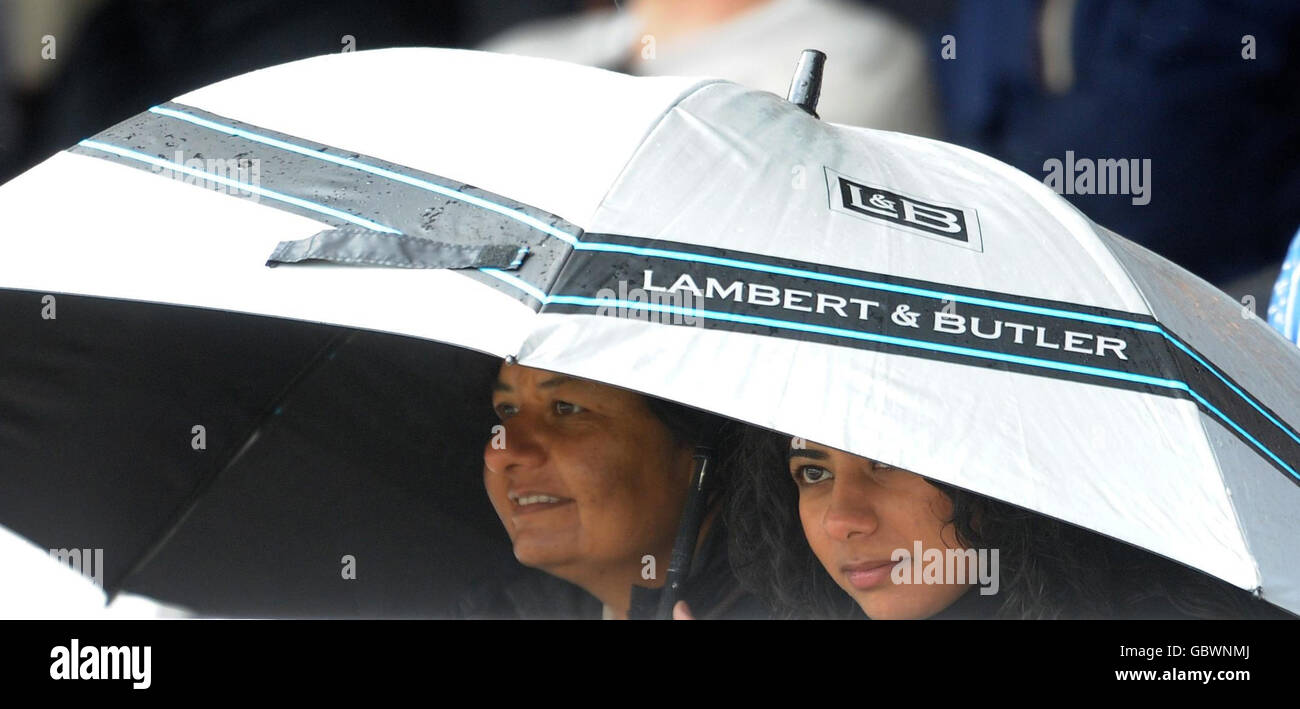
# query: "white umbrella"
36,585
889,295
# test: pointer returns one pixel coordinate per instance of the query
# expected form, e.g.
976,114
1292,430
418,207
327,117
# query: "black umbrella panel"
247,466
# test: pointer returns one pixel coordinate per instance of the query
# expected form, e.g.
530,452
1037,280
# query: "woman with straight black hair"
591,483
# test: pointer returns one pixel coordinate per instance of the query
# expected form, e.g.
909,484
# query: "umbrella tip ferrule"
806,86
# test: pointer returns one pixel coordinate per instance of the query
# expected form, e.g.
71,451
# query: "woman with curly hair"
820,533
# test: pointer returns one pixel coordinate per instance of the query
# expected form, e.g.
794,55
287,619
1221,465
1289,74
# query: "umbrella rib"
322,355
1169,340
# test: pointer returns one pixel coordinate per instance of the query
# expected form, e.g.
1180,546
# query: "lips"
868,574
530,501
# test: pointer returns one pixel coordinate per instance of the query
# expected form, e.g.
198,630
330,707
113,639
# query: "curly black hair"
1049,569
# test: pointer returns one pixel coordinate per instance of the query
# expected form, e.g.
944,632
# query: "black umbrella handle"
688,534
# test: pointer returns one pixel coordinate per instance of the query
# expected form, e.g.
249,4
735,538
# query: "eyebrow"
555,381
806,453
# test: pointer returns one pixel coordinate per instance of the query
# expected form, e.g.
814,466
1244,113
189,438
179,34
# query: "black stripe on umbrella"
736,291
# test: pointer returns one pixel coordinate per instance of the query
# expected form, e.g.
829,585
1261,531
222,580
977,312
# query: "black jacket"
711,591
974,606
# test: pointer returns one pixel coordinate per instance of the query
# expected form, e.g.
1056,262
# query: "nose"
851,511
517,447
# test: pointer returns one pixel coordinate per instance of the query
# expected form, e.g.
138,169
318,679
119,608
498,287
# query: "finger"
681,611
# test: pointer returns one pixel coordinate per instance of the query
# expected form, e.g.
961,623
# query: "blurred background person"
876,72
32,33
145,52
8,105
1205,90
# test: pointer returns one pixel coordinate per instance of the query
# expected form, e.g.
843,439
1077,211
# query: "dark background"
1163,80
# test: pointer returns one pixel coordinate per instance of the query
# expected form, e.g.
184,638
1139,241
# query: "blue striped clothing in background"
1284,307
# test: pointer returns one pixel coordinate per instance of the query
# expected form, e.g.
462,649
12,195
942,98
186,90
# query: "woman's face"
857,512
588,481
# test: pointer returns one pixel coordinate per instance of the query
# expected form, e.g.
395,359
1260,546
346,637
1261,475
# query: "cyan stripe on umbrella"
220,179
371,169
688,256
585,301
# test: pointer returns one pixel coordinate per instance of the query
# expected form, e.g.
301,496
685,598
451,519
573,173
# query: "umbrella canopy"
889,295
317,443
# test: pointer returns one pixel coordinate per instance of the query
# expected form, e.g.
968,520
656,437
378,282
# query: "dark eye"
565,408
812,474
504,411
